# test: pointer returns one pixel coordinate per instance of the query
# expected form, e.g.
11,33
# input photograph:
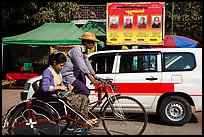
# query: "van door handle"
151,78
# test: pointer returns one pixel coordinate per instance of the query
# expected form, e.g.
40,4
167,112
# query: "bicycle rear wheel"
124,116
33,121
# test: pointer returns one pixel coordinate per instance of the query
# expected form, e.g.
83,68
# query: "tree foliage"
37,13
55,12
187,19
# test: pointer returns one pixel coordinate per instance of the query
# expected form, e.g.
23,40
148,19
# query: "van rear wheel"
175,110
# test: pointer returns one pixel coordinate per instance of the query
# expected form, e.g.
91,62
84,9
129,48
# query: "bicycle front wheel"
124,116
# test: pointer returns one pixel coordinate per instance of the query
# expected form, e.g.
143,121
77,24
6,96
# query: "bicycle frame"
107,88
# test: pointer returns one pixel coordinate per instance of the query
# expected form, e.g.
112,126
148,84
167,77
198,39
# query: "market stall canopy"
173,41
48,34
98,28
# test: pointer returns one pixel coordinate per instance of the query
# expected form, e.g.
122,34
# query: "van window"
179,61
138,62
102,63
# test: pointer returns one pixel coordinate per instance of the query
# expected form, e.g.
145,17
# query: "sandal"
92,122
95,122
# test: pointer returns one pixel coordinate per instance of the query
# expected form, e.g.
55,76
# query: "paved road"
155,126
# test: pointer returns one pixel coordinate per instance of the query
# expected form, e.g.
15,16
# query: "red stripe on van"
145,87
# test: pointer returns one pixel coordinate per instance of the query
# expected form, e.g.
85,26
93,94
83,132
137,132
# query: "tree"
34,14
187,19
55,12
16,14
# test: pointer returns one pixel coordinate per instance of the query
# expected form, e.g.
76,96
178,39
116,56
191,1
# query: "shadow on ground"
154,119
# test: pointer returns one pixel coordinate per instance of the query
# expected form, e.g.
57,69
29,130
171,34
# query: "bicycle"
120,115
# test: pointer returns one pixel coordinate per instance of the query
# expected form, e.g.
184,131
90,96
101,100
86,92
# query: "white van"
167,81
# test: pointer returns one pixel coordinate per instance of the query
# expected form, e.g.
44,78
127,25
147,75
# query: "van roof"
152,49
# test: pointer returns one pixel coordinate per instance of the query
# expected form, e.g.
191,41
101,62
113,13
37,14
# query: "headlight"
26,86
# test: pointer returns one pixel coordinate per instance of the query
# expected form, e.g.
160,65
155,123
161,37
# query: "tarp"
21,76
173,41
98,28
48,34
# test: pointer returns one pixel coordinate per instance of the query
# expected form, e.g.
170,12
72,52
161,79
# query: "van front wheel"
175,110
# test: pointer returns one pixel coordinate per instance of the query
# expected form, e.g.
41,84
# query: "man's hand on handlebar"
94,75
92,78
95,82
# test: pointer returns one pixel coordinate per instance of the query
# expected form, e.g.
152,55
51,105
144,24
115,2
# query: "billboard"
138,23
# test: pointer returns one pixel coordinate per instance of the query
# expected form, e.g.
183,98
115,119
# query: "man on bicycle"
75,70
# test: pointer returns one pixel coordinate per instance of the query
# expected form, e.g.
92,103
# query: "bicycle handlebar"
102,80
107,80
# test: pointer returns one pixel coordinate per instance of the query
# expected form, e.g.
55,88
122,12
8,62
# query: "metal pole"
96,47
172,19
2,56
